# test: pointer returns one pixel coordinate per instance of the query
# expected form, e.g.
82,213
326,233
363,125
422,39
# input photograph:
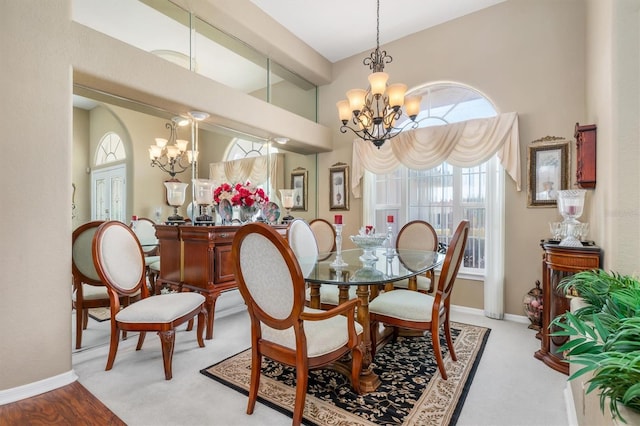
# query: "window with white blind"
443,195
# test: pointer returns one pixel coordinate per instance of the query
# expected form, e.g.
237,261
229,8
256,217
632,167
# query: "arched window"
108,179
242,148
444,195
110,149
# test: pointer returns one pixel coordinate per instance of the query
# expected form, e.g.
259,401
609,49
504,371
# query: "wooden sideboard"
198,258
557,263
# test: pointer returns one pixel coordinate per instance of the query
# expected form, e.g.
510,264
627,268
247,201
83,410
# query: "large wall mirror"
134,126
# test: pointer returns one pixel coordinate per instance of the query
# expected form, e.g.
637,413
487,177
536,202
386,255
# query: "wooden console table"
198,258
557,263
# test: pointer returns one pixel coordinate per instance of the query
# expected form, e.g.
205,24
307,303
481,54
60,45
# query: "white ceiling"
338,29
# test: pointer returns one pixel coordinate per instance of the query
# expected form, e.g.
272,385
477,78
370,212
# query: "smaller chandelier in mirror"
171,155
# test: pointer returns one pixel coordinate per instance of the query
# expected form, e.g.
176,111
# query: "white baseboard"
36,388
570,403
475,311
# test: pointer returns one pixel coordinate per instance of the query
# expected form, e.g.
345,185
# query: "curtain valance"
463,144
257,170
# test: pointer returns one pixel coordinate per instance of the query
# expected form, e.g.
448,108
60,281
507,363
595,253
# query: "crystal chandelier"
171,155
375,111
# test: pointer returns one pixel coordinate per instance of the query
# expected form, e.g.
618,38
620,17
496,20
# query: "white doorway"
109,193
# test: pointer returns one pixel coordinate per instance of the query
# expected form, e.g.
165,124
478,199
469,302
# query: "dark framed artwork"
299,184
548,171
339,187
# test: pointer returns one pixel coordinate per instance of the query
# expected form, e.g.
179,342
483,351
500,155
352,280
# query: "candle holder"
338,262
176,192
570,205
287,203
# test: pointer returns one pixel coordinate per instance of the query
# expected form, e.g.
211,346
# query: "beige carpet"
412,391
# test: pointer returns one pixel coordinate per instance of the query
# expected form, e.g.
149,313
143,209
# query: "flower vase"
246,213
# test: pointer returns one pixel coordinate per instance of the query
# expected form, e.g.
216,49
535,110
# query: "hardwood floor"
69,405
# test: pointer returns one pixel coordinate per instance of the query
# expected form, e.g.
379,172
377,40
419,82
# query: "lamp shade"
154,152
396,92
412,105
176,192
378,82
161,142
344,112
356,99
182,144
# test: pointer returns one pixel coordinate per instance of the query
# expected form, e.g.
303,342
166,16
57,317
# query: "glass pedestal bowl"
368,244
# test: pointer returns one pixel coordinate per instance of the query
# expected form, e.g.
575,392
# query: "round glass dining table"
369,278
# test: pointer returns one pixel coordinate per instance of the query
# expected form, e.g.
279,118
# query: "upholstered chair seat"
119,261
283,329
401,308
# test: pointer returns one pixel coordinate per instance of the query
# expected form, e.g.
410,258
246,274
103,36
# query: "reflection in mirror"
95,114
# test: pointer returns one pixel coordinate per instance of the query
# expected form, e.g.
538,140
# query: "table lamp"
176,192
286,196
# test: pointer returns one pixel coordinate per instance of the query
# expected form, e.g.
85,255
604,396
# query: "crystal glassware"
570,205
176,193
338,262
368,243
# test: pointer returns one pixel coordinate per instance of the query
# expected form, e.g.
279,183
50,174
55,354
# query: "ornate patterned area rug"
412,391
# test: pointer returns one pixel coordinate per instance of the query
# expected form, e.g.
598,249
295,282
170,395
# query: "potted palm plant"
605,336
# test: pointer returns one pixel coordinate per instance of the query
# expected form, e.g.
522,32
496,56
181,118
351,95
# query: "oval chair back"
325,235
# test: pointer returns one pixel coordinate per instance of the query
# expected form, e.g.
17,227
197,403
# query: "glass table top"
400,265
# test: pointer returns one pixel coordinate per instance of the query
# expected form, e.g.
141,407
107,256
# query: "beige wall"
35,226
526,57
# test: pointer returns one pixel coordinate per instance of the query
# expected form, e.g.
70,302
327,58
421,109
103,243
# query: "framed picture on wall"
339,187
299,184
548,171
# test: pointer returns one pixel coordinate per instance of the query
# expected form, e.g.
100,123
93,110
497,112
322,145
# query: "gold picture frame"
339,187
547,171
299,183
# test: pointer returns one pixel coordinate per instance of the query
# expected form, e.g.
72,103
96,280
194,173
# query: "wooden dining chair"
303,242
88,290
282,328
417,235
325,235
145,230
420,311
119,261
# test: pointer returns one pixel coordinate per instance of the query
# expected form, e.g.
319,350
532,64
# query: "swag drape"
463,144
257,170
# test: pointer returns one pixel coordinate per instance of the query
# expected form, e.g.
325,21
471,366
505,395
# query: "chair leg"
302,380
447,333
167,339
141,340
256,365
113,346
435,339
190,325
202,323
85,318
79,317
